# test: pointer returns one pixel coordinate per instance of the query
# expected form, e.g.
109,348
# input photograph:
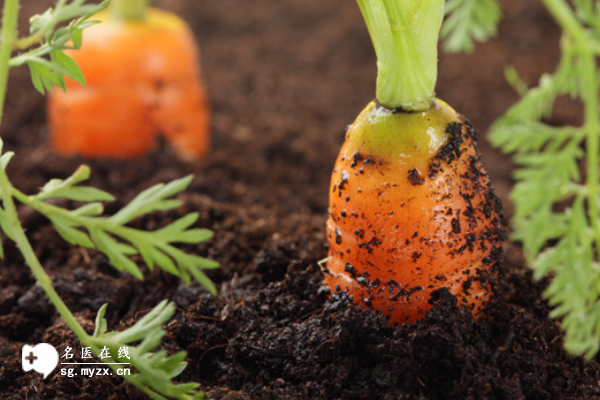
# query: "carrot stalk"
7,35
404,35
129,9
411,208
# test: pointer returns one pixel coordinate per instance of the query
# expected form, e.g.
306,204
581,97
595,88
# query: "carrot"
411,208
143,78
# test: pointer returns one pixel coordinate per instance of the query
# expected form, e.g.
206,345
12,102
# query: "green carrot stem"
589,93
31,259
130,10
405,36
8,35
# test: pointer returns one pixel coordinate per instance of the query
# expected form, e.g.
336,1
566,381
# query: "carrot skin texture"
412,214
143,79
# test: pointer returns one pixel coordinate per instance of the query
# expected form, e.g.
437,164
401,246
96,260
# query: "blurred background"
284,80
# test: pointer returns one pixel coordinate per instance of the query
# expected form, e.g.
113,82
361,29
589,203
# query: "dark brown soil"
285,78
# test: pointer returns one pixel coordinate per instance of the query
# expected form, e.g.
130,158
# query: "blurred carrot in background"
142,71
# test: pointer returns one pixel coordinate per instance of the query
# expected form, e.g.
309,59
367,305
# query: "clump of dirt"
289,340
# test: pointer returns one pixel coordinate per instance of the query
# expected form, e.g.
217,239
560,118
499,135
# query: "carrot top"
52,33
405,36
129,9
406,137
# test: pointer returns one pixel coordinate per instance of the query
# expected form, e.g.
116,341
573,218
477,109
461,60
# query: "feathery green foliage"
156,247
47,61
155,370
51,33
468,21
556,200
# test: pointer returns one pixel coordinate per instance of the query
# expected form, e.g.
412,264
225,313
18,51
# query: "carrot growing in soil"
411,208
142,70
153,371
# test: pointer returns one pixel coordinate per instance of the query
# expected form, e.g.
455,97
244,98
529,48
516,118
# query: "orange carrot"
411,216
143,79
411,208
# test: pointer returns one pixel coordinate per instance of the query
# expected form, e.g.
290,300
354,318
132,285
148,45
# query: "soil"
285,78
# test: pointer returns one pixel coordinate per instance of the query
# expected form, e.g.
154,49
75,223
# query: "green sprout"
51,33
557,215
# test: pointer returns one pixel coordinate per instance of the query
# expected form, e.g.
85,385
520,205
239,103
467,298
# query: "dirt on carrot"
403,223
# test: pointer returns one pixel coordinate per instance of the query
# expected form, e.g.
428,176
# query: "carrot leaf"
68,189
154,371
468,21
155,198
86,227
45,46
557,194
